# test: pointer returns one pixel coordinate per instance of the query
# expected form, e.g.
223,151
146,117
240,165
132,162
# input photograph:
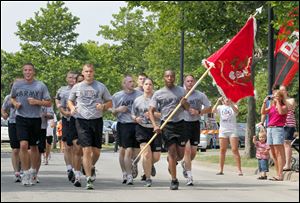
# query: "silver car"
4,130
108,135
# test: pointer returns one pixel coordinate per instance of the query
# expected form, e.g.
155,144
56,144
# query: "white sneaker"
77,182
129,180
17,178
26,179
124,179
189,181
34,179
89,184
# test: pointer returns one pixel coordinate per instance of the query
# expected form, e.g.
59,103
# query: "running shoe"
34,178
129,180
174,184
26,179
17,178
71,175
89,184
124,179
148,183
77,182
189,181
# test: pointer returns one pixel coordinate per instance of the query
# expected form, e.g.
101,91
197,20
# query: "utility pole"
270,49
182,47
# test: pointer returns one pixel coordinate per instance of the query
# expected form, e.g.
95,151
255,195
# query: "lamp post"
182,47
270,49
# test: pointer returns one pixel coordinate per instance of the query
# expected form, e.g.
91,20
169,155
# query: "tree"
51,32
133,32
47,40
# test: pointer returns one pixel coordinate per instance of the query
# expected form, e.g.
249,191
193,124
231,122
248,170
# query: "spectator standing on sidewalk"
228,111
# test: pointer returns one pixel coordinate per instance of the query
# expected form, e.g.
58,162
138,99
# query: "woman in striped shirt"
289,127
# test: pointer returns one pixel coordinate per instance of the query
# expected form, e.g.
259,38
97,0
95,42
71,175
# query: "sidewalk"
287,175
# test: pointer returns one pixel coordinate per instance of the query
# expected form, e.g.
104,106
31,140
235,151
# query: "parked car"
107,132
209,133
211,129
4,130
241,131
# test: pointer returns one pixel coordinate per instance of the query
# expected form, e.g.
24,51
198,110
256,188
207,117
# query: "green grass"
251,163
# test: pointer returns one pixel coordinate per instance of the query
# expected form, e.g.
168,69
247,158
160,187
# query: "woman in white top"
49,138
227,132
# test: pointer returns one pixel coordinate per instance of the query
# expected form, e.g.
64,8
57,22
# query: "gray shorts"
275,135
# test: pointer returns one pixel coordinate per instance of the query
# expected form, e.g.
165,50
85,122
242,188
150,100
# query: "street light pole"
182,49
270,49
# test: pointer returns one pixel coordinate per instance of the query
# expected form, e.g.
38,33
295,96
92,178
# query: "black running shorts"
126,133
192,131
173,132
28,129
89,132
13,139
143,135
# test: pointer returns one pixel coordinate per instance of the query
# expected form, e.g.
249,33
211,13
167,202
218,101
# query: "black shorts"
173,132
49,139
42,141
126,133
192,132
69,132
89,132
28,129
289,132
143,135
13,139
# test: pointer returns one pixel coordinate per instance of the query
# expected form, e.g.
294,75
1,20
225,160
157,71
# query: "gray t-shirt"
166,100
123,98
62,95
196,100
139,108
22,90
46,111
86,96
7,106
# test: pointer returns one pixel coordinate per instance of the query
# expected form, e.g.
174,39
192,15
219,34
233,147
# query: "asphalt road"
54,186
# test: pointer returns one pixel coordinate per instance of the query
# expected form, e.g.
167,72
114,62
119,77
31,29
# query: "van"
209,134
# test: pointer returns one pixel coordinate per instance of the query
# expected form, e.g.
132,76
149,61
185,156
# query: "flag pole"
172,114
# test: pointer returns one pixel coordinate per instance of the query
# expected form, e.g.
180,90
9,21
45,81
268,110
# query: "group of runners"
140,112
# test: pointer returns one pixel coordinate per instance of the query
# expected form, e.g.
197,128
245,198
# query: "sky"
91,14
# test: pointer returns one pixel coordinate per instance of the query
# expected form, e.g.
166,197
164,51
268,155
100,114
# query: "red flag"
286,56
232,71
